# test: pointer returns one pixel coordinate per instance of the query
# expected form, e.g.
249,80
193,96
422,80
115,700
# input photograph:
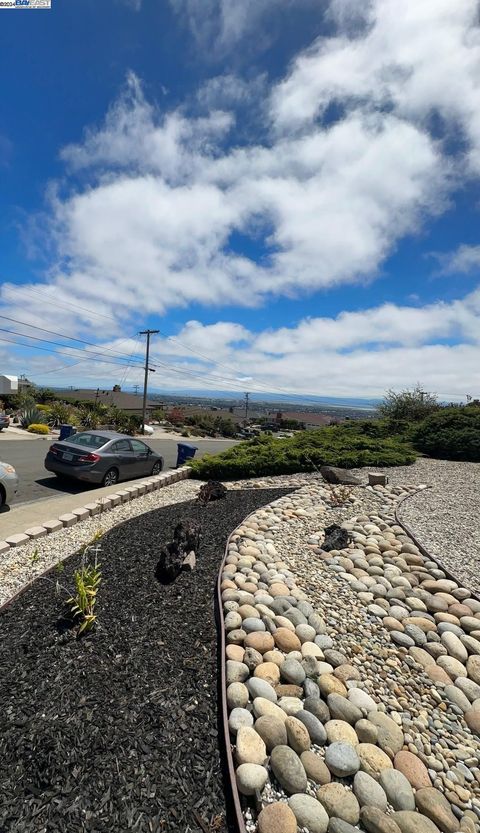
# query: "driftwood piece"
213,490
336,538
186,542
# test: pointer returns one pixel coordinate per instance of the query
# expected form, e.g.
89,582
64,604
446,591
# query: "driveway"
27,456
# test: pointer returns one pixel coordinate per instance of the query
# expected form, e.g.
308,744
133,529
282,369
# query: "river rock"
456,696
343,709
272,731
277,817
315,729
409,822
452,666
292,671
328,684
315,767
342,759
237,672
472,719
261,706
238,718
250,748
237,696
290,705
340,826
454,647
413,769
339,802
297,733
288,769
377,822
397,789
469,688
340,730
361,700
473,668
369,792
390,736
318,707
309,813
373,760
251,777
433,804
260,688
261,642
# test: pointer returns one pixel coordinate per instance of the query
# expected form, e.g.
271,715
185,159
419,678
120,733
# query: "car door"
142,453
124,459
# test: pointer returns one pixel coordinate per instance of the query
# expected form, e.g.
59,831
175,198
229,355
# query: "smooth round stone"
260,688
452,666
414,633
318,624
433,804
250,625
305,608
366,731
336,658
376,610
237,696
251,777
277,818
297,734
468,687
339,802
347,672
339,730
232,621
422,657
454,647
390,736
286,641
283,622
328,684
305,633
413,769
375,821
310,688
252,658
342,759
402,639
295,616
274,656
260,642
247,611
398,612
369,792
397,789
288,769
262,706
373,760
312,725
309,813
472,719
235,652
318,707
236,672
269,672
340,826
290,705
469,623
292,671
359,698
409,822
323,641
309,649
239,717
457,697
236,637
343,709
315,768
289,690
250,748
473,668
272,731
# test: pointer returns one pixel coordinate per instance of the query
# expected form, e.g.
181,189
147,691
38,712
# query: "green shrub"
30,416
307,451
453,433
37,429
408,405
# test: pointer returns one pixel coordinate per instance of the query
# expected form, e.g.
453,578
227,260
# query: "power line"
147,333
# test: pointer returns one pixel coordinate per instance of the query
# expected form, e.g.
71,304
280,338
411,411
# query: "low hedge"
36,428
306,451
450,434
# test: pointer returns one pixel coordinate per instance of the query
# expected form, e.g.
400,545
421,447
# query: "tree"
44,395
408,405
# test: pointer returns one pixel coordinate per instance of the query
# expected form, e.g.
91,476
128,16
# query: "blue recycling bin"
66,431
185,452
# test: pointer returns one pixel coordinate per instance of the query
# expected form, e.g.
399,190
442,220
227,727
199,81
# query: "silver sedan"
102,457
8,483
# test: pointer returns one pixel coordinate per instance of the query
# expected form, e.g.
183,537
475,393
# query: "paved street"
27,457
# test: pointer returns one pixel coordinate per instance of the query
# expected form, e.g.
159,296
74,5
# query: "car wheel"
157,468
110,478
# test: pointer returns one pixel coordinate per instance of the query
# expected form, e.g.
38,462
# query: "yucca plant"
82,604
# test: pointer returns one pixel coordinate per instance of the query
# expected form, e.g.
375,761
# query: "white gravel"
446,517
21,565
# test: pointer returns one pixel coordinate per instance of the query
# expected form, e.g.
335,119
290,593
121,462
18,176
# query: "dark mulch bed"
119,730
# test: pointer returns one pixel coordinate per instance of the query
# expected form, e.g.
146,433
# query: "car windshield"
88,440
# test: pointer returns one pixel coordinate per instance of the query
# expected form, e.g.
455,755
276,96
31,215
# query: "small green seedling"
34,556
82,604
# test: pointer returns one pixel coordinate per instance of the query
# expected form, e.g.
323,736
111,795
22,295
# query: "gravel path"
446,517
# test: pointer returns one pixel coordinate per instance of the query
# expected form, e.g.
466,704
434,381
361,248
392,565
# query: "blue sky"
287,190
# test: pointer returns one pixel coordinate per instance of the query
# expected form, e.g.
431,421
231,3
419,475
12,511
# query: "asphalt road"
36,483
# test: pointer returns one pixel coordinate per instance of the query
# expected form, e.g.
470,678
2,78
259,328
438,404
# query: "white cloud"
464,260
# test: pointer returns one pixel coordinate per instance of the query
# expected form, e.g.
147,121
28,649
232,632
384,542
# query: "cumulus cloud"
464,260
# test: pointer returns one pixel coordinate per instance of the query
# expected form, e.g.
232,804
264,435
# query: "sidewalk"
28,515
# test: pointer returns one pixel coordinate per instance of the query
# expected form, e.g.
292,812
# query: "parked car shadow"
68,487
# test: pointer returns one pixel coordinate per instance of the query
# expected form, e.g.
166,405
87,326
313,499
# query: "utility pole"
247,395
147,333
136,387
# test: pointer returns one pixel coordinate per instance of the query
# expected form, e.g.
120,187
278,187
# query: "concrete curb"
100,506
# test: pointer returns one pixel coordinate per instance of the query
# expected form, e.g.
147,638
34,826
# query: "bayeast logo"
25,4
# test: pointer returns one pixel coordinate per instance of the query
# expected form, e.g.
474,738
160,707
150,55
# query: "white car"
8,483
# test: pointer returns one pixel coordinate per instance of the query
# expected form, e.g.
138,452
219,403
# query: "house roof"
124,401
310,419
